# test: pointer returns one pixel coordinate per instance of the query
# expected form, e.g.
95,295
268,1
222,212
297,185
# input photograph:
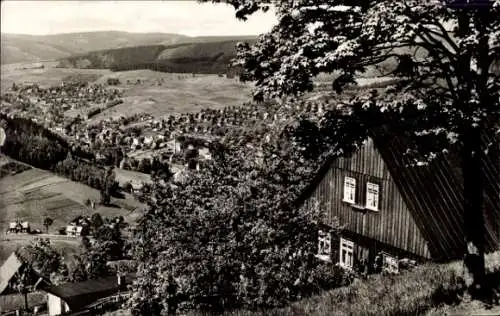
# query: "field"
178,93
49,76
34,194
123,176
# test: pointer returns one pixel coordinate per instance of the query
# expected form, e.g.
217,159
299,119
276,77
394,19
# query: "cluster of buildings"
19,227
47,105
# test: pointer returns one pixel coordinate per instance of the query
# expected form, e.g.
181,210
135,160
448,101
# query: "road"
24,236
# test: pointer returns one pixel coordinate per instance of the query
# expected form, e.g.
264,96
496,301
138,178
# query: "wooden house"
392,210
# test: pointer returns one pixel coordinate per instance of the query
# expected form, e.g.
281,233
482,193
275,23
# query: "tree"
47,221
45,260
105,197
441,52
110,241
108,245
96,221
230,235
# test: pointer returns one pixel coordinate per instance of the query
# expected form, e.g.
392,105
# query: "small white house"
148,140
74,230
25,227
205,153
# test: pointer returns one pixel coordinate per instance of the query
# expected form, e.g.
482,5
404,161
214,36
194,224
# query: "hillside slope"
30,48
17,48
33,194
203,57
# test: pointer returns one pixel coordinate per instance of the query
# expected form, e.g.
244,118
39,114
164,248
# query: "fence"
102,306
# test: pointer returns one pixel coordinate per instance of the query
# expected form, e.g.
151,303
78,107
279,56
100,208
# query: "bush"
113,81
230,236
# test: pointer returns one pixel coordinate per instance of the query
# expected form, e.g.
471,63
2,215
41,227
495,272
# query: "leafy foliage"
107,245
231,235
444,55
47,221
447,92
45,260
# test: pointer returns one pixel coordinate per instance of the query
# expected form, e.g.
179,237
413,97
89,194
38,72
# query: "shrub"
113,81
230,236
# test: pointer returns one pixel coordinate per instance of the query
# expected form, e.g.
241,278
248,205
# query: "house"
204,152
9,272
74,230
148,140
2,138
15,227
137,186
25,227
390,210
79,296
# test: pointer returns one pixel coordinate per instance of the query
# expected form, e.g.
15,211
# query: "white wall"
56,305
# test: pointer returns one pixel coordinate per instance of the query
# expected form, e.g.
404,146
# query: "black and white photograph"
250,158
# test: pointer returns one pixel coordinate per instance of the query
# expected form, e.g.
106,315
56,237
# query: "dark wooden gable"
394,223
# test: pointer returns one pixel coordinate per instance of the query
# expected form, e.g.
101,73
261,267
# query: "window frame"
324,251
390,263
348,246
350,183
374,197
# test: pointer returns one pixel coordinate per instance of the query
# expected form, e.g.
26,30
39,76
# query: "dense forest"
201,58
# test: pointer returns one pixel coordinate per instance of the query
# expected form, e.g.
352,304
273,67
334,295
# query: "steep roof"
434,193
80,294
8,270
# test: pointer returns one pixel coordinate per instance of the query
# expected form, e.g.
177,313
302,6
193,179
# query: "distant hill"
17,48
198,57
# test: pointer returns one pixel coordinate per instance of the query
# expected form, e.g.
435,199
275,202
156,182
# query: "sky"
184,17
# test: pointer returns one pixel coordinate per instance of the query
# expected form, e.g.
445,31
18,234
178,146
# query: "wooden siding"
434,194
393,224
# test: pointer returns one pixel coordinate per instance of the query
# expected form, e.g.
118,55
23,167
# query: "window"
349,190
372,196
324,245
390,264
346,253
